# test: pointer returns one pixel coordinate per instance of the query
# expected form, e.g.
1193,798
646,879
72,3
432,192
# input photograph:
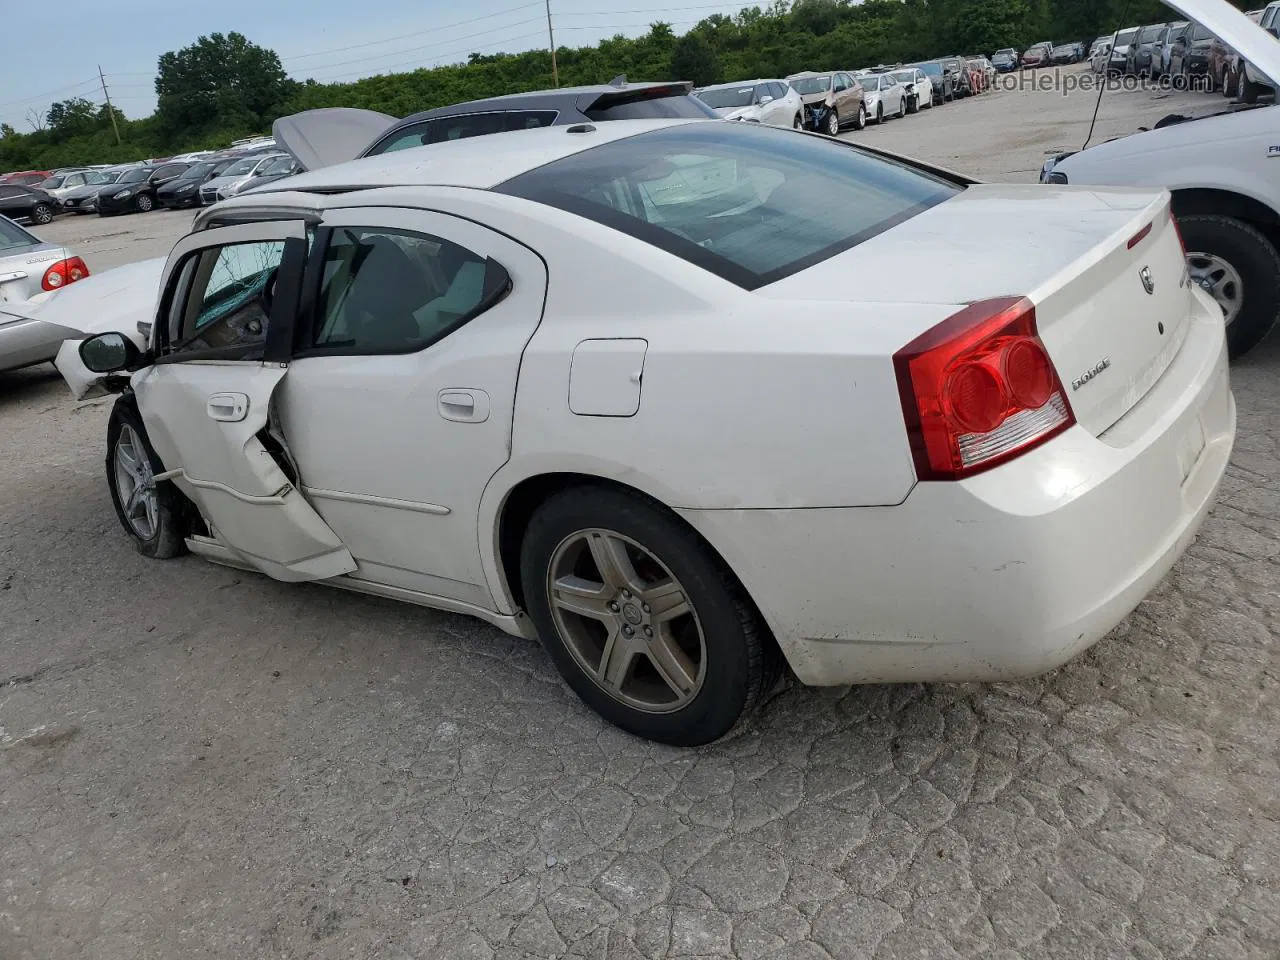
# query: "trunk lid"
1067,250
329,135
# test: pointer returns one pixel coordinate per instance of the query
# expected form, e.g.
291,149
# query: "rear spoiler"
625,95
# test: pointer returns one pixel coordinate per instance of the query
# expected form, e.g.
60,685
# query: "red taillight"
64,272
979,389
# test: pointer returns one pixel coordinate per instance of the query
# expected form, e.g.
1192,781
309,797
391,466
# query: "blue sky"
324,39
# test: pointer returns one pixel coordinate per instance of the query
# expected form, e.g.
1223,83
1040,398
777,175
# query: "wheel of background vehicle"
831,125
902,107
1240,268
144,203
642,619
1249,91
879,113
42,213
798,123
154,514
860,123
913,104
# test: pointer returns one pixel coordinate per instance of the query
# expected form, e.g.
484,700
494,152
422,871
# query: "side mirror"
109,353
765,99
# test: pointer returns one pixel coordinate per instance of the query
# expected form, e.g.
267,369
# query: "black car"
319,138
1189,56
184,189
136,189
1143,58
85,199
959,69
943,80
18,202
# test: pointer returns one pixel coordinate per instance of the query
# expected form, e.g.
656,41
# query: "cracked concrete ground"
197,762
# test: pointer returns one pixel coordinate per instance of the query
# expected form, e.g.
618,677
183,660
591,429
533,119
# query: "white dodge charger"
672,397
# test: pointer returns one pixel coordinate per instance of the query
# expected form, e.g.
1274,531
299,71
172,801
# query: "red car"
1037,55
26,178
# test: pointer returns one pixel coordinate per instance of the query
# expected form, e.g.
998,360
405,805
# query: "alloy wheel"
1220,280
136,484
626,620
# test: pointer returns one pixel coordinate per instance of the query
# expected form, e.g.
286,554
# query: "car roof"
476,162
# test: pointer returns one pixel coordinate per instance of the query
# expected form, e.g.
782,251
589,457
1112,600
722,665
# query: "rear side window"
649,108
749,204
394,291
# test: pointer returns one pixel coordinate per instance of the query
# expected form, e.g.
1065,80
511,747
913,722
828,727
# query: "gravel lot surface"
197,762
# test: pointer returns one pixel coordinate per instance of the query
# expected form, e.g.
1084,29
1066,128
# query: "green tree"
692,58
220,83
69,118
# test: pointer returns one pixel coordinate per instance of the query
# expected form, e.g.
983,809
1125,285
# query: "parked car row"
1187,54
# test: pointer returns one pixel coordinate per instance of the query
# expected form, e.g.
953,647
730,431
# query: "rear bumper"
1006,574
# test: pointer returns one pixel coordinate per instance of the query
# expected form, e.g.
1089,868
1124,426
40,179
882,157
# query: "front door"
398,405
223,339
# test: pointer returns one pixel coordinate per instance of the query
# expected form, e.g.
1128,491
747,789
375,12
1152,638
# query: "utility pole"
551,39
112,110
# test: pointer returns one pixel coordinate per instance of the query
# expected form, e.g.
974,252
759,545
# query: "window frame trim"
426,123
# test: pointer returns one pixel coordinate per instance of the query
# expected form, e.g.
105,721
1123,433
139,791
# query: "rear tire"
158,529
736,661
1248,90
1257,263
42,213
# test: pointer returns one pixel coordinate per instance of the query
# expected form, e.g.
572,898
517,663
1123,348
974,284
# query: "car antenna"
619,81
1106,78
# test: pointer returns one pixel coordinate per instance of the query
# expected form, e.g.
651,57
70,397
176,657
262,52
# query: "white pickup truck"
1223,171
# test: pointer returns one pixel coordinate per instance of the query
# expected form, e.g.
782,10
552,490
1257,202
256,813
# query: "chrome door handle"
463,405
228,407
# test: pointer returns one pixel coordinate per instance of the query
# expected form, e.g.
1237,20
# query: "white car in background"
1221,169
771,102
537,371
917,86
885,96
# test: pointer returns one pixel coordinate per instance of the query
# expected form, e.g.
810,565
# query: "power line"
419,65
417,33
42,96
429,46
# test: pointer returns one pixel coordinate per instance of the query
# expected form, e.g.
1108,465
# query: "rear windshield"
12,235
724,97
749,204
809,85
682,107
932,69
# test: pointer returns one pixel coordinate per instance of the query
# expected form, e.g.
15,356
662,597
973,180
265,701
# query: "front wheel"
879,113
152,513
42,213
861,122
1249,91
902,108
831,125
1239,267
642,619
144,203
798,123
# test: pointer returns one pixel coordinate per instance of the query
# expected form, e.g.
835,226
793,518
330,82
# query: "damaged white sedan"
670,396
